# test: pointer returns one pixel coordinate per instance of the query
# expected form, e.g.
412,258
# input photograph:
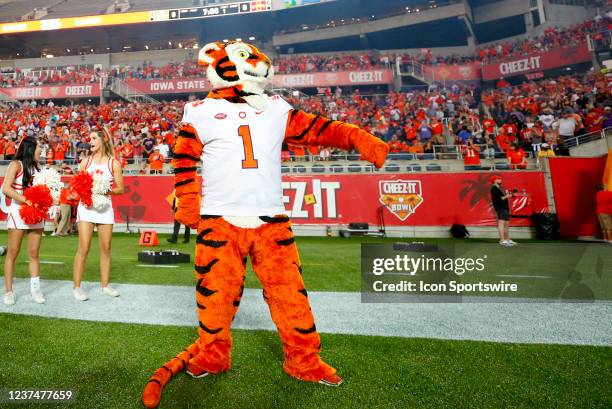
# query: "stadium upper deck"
38,28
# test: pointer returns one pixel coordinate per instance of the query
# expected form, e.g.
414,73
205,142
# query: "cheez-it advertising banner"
428,199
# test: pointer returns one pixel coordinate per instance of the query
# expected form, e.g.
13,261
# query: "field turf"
107,364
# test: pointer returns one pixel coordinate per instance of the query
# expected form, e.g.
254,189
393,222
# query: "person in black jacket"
177,227
501,204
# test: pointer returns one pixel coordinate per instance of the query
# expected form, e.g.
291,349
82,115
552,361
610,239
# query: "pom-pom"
81,185
101,184
50,178
41,199
100,202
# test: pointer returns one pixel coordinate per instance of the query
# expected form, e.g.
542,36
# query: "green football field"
107,364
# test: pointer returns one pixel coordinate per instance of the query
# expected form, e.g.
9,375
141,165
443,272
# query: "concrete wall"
158,57
592,149
62,61
424,16
499,10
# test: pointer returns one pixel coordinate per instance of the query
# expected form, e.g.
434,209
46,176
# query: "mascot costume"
238,132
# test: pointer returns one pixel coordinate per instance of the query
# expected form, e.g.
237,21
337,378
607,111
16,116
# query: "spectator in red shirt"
594,120
471,156
517,158
604,212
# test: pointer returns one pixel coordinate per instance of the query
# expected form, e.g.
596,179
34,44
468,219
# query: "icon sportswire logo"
401,197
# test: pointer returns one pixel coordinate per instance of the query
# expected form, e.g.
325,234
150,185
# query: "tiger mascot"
238,132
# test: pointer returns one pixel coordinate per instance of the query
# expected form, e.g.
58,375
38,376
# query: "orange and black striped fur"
222,249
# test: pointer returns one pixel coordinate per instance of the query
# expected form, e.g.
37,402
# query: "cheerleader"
99,161
19,176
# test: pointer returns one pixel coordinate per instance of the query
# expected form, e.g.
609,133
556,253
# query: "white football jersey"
241,160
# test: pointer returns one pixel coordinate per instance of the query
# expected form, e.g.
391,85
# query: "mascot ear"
205,56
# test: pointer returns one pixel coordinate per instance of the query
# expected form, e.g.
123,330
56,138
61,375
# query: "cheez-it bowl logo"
401,197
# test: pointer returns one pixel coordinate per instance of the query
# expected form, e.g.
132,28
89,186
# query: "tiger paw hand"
189,214
374,151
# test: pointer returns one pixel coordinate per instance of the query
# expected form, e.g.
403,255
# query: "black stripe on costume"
300,136
286,242
185,134
183,183
184,170
235,99
201,307
325,125
205,269
241,93
168,369
209,243
209,330
209,216
307,330
275,219
185,156
303,291
156,381
182,361
205,291
299,267
236,303
212,243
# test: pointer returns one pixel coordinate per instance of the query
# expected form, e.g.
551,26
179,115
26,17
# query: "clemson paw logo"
401,197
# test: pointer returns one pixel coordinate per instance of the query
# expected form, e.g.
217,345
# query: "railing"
7,101
415,69
590,137
131,94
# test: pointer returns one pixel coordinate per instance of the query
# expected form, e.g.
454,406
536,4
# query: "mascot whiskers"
237,132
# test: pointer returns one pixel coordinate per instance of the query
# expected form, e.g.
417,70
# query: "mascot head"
239,69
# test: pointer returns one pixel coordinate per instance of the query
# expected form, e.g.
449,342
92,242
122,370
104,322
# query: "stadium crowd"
552,38
535,118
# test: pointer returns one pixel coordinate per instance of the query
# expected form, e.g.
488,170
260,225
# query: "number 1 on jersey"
249,161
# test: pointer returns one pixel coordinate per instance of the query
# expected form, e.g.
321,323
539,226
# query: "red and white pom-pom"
81,185
102,185
50,178
41,199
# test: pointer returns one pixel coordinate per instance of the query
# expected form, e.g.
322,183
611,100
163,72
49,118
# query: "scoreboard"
219,10
153,16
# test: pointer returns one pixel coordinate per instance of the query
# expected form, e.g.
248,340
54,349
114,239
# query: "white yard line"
337,312
156,265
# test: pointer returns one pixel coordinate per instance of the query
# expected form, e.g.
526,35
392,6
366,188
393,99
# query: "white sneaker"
108,290
504,243
9,298
38,296
512,243
79,294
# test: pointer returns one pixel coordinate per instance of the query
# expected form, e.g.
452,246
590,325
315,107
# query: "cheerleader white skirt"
89,214
14,220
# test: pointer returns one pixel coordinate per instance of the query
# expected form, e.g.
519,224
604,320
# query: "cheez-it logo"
401,197
221,116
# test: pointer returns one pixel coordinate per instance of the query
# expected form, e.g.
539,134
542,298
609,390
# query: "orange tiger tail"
154,388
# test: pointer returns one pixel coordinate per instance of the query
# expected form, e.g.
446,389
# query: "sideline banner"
456,72
559,57
575,183
431,199
311,80
53,91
